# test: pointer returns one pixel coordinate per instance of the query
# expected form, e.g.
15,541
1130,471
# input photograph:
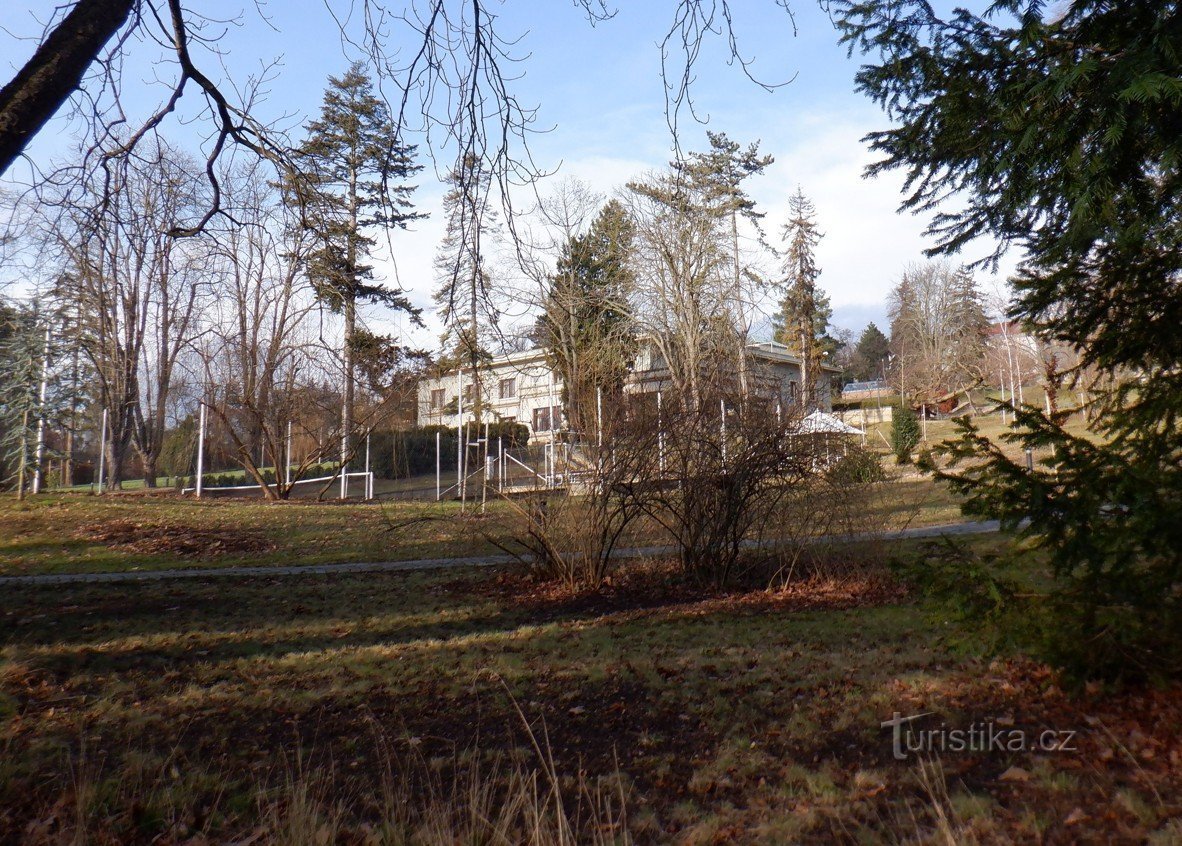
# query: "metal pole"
344,452
20,476
39,451
550,399
487,468
660,437
1001,380
599,417
368,486
460,436
722,425
924,412
287,471
102,451
200,450
501,460
438,469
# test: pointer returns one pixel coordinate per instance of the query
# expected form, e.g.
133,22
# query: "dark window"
546,418
507,388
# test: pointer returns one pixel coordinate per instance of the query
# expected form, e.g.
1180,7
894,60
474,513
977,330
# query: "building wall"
536,390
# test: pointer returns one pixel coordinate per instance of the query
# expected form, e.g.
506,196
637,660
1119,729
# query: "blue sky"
599,89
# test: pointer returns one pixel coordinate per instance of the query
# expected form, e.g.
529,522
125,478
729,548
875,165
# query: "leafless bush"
572,528
714,473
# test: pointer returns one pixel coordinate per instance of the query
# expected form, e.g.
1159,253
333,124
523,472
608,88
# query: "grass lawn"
78,533
318,709
75,533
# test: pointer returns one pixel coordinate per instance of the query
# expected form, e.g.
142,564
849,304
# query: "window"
468,389
547,418
438,397
507,388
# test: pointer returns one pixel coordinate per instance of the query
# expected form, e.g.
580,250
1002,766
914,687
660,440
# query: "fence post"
102,451
200,449
368,485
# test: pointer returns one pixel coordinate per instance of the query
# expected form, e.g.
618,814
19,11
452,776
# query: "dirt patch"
655,586
171,539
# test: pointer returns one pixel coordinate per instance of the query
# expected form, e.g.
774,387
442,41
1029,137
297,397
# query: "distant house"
522,388
866,390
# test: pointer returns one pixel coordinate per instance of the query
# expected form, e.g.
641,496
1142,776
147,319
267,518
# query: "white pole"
102,451
460,433
1001,381
344,454
438,469
368,486
550,399
599,417
287,471
660,437
39,451
200,449
487,469
779,413
924,412
501,459
722,426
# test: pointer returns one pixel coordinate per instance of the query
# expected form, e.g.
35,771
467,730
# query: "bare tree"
137,289
261,337
451,74
938,328
683,288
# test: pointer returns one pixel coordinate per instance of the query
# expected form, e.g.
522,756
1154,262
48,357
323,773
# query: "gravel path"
970,528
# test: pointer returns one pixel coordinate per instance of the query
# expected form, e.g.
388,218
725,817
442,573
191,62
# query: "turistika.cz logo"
990,735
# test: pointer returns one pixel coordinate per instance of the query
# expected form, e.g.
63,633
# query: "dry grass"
447,707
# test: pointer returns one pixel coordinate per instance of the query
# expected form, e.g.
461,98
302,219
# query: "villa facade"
522,387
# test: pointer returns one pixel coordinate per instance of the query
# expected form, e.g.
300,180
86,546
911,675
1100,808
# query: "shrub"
905,433
858,466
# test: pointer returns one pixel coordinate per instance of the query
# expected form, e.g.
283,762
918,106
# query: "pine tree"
354,180
870,353
586,326
804,315
720,174
1059,134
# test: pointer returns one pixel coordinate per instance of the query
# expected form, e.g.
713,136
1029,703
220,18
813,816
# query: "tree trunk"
55,71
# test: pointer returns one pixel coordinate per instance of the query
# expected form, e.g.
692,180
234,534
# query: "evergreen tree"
586,326
803,321
905,433
353,180
870,354
1059,134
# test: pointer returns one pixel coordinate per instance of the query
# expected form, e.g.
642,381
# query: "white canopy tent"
821,423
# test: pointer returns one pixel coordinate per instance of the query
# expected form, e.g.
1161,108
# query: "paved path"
972,528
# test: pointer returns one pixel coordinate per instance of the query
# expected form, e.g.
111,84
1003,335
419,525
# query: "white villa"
522,388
